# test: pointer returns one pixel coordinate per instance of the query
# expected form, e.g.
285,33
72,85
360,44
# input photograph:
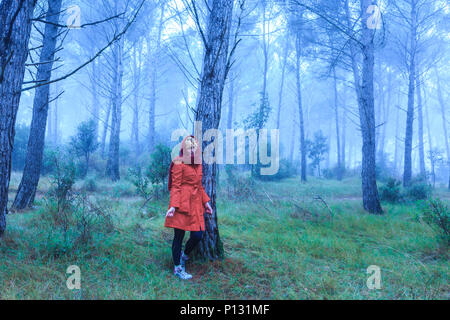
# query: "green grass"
281,245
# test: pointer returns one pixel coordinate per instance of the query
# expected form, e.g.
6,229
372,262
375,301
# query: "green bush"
286,170
332,173
153,180
78,225
62,180
437,214
90,185
123,189
391,192
418,191
48,160
72,220
158,169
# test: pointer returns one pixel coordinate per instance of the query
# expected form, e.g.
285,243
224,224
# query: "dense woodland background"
91,92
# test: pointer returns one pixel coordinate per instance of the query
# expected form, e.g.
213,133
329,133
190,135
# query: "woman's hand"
170,212
208,208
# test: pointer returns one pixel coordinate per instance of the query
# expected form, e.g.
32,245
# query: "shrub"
154,179
418,191
84,143
72,219
62,180
158,169
390,192
437,214
140,181
79,224
122,189
48,160
286,170
384,169
333,173
90,185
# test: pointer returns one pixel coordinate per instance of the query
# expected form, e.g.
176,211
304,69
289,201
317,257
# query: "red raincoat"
187,194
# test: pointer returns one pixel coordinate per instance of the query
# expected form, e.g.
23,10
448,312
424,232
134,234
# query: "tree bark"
112,164
154,83
105,130
283,72
430,140
230,102
15,22
407,169
371,200
33,161
209,104
364,92
300,108
423,173
338,136
444,121
396,147
137,62
386,109
344,131
95,101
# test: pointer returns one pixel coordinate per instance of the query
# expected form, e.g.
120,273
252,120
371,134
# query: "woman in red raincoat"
187,202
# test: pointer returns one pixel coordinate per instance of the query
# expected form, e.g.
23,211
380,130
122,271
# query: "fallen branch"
318,197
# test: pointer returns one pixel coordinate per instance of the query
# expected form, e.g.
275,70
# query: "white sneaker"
180,273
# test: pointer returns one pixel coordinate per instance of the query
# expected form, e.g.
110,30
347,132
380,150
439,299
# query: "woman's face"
191,145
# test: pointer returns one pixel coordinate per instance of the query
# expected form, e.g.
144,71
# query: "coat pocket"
185,202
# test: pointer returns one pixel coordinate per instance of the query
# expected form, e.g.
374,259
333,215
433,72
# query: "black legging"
194,239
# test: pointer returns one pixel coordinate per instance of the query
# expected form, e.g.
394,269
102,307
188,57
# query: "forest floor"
281,242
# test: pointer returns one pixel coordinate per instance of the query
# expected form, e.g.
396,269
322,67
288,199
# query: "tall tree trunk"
292,148
33,161
209,104
444,121
407,169
430,140
300,108
397,123
105,130
95,101
365,95
420,131
371,200
283,72
230,101
15,22
112,164
386,109
344,131
338,136
154,82
137,61
265,50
